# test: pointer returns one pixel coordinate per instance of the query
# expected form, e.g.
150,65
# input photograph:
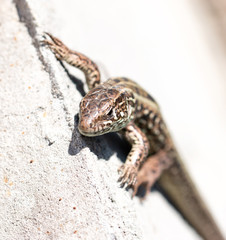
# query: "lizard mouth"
87,133
85,129
89,130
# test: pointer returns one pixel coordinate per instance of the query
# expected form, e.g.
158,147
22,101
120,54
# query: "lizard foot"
151,171
128,175
57,47
146,179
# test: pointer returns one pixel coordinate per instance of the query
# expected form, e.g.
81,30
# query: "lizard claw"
56,46
54,39
128,175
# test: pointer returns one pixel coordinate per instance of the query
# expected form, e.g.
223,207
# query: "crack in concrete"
26,17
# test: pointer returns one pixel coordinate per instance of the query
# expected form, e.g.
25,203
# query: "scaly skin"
121,105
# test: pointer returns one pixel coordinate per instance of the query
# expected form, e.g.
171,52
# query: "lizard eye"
110,112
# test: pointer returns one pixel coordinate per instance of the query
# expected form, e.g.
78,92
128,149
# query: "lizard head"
105,109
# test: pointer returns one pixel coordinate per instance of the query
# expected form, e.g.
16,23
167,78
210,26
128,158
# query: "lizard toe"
54,39
128,175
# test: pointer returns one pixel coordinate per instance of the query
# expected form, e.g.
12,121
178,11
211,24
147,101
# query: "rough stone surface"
56,184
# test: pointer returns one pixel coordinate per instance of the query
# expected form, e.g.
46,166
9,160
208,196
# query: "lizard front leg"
137,155
76,59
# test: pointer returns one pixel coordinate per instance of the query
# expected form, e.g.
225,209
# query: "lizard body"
121,105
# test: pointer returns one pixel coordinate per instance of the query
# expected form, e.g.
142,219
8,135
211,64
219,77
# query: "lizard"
121,105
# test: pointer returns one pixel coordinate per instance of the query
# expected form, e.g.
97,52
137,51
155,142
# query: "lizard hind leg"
150,171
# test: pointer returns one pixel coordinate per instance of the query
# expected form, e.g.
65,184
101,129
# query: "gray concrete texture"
56,184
